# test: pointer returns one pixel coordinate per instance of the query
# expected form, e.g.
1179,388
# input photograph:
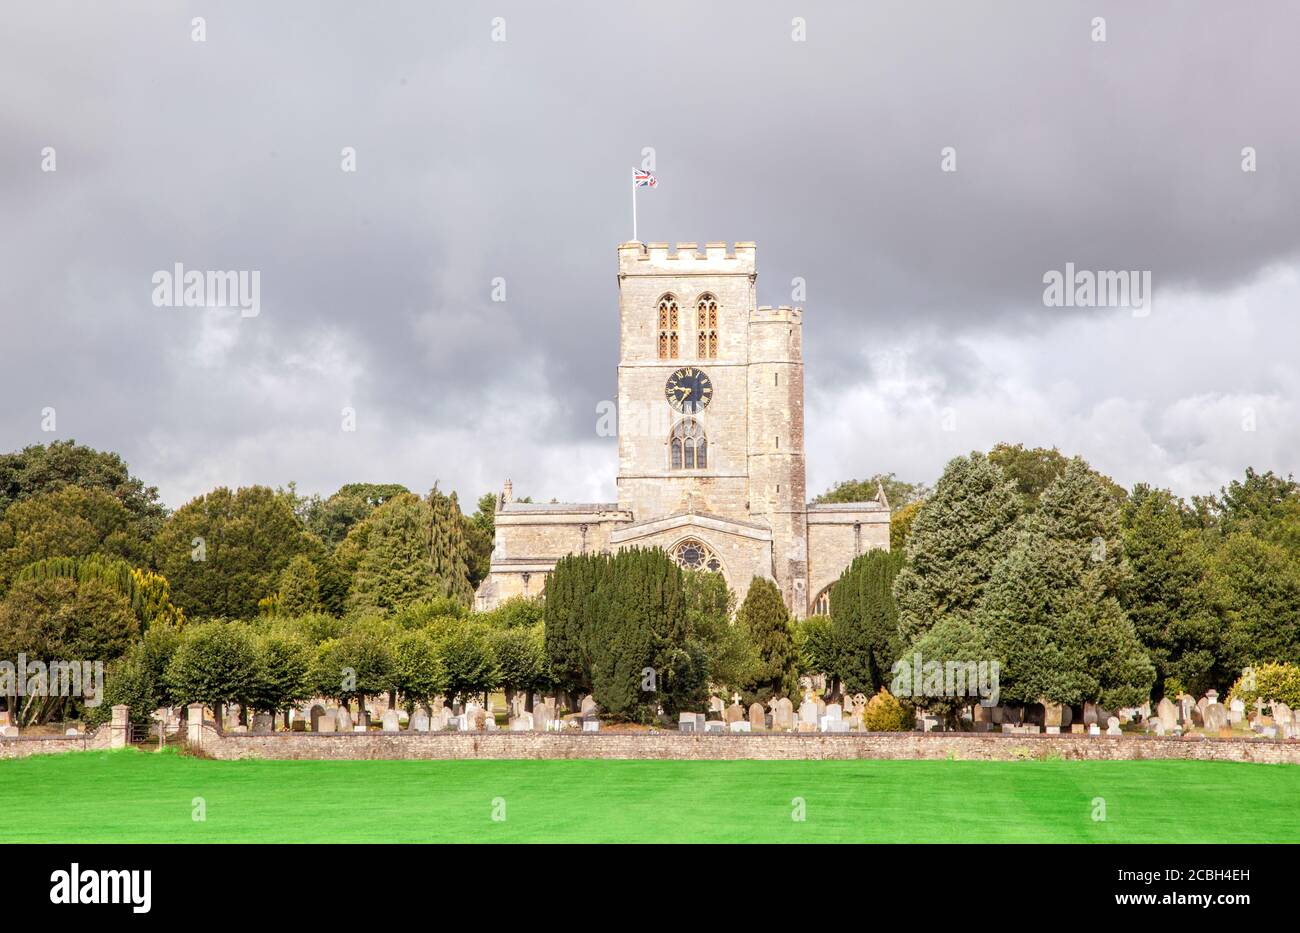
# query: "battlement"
655,259
784,314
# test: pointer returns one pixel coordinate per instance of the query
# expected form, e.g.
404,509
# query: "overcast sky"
925,330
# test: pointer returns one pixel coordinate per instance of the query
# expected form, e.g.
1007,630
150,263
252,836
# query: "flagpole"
634,239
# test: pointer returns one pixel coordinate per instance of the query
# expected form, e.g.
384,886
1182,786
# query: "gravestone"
1216,717
390,723
782,714
1011,714
72,731
808,713
522,723
343,719
262,722
757,720
591,725
541,717
1052,717
714,726
588,706
1078,728
419,721
1094,729
1112,726
1282,714
1185,705
9,732
740,725
327,722
315,714
716,705
1090,714
1167,713
685,722
1236,711
735,713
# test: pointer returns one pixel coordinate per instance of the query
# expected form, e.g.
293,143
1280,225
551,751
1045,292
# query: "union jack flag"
643,179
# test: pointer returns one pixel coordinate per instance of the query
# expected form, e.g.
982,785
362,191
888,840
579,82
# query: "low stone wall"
23,746
112,734
762,746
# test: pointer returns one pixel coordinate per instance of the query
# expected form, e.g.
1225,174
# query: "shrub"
1272,681
885,714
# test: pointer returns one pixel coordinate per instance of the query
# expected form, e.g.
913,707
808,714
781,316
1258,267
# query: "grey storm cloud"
479,160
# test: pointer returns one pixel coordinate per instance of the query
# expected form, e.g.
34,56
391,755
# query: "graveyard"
170,797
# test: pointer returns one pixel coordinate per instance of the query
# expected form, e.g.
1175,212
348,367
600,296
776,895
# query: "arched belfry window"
708,324
694,554
668,314
689,448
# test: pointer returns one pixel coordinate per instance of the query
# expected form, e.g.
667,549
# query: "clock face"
689,390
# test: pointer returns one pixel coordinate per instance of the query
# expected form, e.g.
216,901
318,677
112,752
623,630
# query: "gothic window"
694,554
668,343
688,447
822,604
708,324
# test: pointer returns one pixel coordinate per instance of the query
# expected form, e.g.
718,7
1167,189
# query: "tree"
409,549
69,522
864,621
520,655
900,525
224,551
41,469
729,658
574,594
281,679
468,660
148,593
764,616
898,492
1165,592
817,649
331,519
299,588
1254,587
1268,682
515,612
418,672
1051,609
965,527
355,665
62,620
641,618
214,664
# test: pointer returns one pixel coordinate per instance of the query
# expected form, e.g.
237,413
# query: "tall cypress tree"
864,621
764,614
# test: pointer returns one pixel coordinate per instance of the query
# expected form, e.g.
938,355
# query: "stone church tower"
710,442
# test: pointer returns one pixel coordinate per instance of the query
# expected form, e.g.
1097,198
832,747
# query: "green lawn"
135,796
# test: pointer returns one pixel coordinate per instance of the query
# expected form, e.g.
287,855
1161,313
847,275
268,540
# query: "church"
710,443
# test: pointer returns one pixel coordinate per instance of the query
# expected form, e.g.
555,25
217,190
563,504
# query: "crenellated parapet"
686,259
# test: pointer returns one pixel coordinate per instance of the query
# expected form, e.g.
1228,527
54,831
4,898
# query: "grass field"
135,796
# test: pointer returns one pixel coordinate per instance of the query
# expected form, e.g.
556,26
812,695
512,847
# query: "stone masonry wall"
771,747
